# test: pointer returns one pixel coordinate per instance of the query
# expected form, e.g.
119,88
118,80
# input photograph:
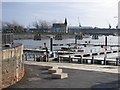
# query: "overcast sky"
90,12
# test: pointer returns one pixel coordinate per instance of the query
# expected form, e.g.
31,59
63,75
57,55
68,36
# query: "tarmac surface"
35,77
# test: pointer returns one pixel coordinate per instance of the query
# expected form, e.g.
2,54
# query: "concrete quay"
80,76
92,67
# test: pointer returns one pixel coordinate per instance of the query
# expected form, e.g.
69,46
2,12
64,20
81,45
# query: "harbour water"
111,40
30,43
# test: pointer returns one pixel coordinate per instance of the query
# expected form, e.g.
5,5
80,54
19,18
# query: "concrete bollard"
59,75
52,70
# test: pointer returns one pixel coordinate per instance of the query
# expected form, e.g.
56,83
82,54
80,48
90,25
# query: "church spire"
65,21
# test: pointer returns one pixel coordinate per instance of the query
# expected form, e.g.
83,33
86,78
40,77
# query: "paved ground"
89,67
35,77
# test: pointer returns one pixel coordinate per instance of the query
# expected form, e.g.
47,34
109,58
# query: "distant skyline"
90,13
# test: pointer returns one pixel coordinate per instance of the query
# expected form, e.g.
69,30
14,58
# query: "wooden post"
86,61
47,57
58,58
92,61
51,44
117,61
105,60
26,57
69,59
34,57
47,53
76,37
106,41
81,60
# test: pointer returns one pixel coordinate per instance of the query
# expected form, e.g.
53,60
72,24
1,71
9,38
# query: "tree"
12,27
42,25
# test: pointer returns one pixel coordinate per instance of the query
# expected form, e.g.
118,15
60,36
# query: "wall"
12,65
7,38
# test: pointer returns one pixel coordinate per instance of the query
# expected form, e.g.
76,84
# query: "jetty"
98,57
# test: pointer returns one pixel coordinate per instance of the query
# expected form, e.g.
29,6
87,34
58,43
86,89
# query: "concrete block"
55,70
48,67
59,75
45,67
54,67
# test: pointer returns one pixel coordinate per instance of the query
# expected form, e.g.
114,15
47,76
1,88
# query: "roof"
59,25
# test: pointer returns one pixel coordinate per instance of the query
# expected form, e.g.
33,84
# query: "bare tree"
6,26
36,24
12,27
42,25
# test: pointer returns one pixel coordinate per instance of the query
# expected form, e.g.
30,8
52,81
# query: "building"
7,38
119,14
60,27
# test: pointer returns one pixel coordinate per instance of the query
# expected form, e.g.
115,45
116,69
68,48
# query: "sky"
95,13
119,15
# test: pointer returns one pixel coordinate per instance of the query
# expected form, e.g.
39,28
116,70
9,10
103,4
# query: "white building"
119,14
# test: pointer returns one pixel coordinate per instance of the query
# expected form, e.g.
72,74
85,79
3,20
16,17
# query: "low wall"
12,65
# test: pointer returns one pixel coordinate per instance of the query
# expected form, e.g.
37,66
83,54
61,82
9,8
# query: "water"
112,40
29,43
